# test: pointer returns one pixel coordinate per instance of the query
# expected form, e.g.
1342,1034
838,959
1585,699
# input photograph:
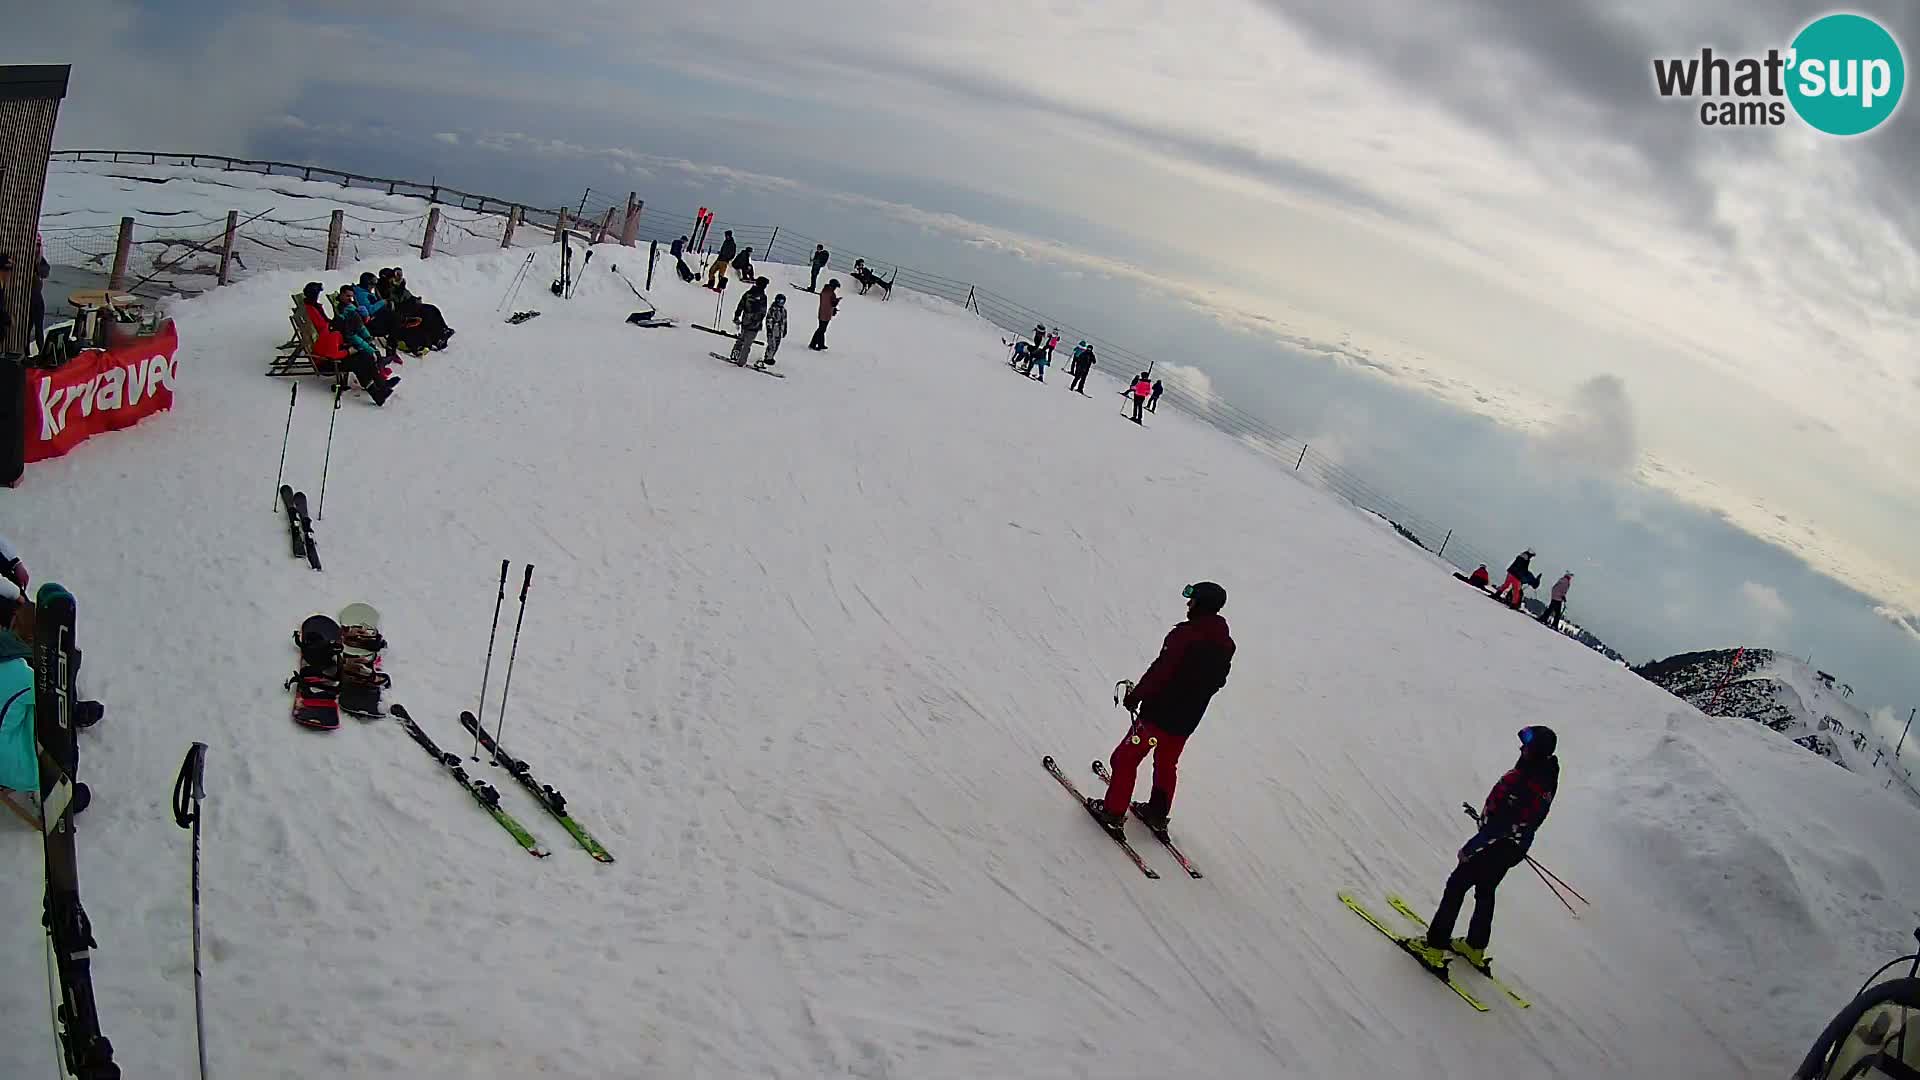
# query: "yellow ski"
1400,906
1401,940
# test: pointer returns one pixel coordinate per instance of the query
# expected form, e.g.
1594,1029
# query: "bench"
295,356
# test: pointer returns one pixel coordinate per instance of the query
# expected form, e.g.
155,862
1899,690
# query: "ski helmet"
1206,595
1540,739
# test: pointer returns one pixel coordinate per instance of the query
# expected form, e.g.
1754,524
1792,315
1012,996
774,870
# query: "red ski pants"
1141,739
1511,591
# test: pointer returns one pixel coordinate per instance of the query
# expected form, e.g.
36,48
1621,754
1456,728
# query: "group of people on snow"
373,320
1520,577
1168,702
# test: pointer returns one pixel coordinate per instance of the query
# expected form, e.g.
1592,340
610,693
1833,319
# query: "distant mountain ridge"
1788,696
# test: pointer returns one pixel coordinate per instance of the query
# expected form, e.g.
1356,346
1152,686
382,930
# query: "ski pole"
511,653
281,473
491,634
513,287
1539,871
1560,881
320,511
188,790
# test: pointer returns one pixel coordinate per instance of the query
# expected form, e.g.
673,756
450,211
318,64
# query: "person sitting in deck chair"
868,279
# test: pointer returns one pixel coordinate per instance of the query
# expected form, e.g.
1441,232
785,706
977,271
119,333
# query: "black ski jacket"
752,309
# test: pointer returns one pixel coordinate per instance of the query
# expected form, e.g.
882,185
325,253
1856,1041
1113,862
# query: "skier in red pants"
1167,705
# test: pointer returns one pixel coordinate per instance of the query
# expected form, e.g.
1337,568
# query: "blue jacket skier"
19,761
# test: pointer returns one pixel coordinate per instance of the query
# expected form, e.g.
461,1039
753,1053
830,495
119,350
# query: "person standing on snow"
19,754
776,327
749,315
717,273
1041,358
1053,342
1513,812
829,305
1558,602
1519,576
1039,336
1167,705
1141,388
1153,403
1082,366
818,263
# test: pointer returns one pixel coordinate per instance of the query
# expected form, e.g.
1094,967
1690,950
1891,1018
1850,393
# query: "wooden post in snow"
226,244
513,222
630,229
433,229
334,230
122,251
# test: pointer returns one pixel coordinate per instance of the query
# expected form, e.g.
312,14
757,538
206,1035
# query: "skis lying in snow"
1053,767
1402,940
550,799
482,792
761,368
1166,841
1419,920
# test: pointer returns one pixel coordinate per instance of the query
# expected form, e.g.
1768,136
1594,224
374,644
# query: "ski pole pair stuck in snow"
513,651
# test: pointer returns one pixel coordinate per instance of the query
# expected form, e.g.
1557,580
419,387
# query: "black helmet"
1540,739
1206,596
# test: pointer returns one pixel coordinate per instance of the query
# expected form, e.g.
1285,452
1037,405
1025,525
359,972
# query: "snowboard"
761,368
361,679
315,683
306,528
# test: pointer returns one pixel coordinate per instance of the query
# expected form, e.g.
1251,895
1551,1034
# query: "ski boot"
1477,958
1431,957
1155,822
1113,823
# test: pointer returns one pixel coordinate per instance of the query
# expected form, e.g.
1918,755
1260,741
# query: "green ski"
482,792
1401,940
1400,906
550,800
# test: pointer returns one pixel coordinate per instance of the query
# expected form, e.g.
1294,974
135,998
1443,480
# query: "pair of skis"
1404,940
299,525
1119,837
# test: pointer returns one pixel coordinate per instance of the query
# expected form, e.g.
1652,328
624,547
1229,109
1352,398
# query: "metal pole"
1903,734
188,790
511,653
1303,457
770,242
1443,543
279,475
491,634
338,389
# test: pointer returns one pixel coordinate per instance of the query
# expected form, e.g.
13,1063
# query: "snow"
794,649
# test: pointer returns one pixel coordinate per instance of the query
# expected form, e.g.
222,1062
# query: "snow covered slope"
794,649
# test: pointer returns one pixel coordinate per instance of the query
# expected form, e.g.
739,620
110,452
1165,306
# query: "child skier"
1513,812
776,327
1167,705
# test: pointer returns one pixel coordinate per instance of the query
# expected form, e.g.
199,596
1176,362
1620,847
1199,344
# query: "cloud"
1905,620
448,137
1765,606
1597,432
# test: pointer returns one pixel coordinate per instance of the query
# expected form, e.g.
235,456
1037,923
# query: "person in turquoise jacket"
19,761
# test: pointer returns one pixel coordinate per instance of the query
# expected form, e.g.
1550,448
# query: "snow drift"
794,650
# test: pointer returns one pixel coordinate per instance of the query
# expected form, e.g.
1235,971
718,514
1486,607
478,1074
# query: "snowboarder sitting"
1167,705
776,327
868,279
1480,577
1513,812
1519,576
680,266
743,264
749,315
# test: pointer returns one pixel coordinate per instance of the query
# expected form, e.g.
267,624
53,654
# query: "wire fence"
185,257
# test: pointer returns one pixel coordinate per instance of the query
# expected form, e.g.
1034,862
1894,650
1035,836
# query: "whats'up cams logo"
1842,74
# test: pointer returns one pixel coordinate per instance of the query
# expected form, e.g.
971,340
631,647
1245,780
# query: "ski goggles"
1187,592
1526,736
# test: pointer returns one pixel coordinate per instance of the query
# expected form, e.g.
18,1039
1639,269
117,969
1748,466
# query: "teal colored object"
19,762
1847,74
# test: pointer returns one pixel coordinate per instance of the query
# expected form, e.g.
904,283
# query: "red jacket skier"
1167,705
1512,814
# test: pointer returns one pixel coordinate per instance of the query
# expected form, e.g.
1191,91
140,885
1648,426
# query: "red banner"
100,390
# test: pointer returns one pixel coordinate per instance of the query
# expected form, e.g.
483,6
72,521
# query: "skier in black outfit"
1519,577
1514,810
1153,403
1082,366
818,263
718,271
748,315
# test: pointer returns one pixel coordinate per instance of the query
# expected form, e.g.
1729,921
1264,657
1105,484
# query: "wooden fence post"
122,251
560,225
334,230
433,228
606,226
513,222
630,229
226,244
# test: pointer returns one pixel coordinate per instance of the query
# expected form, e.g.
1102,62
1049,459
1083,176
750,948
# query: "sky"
1480,204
